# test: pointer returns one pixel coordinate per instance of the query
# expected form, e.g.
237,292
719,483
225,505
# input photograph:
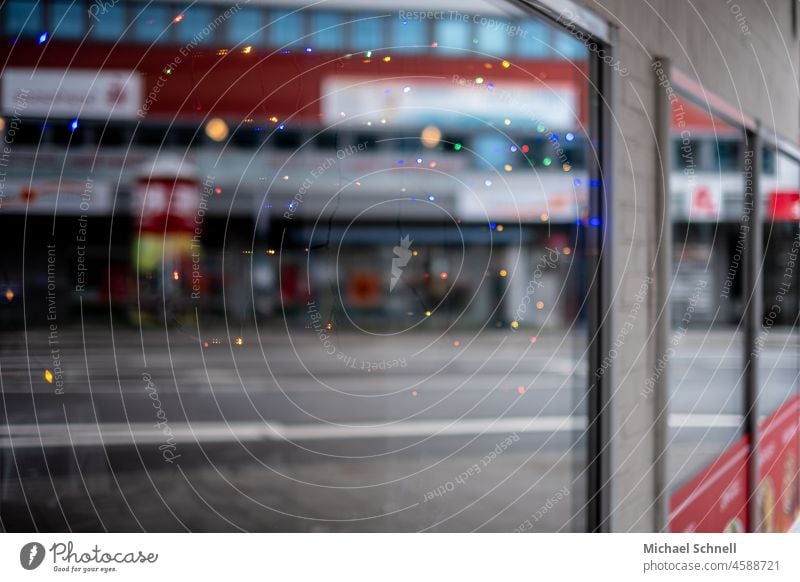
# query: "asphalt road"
191,429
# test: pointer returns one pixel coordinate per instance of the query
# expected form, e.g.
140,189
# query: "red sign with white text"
166,205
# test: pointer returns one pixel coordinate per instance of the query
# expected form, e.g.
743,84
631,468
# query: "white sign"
72,93
65,197
526,198
401,102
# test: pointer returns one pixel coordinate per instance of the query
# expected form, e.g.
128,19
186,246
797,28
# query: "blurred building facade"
621,178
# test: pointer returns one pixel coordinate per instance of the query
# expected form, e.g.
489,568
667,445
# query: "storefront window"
705,350
353,270
776,346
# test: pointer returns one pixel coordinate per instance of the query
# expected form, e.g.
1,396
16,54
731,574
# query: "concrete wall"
757,72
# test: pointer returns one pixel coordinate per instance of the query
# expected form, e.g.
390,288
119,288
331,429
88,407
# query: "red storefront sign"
166,196
716,499
779,487
784,205
166,204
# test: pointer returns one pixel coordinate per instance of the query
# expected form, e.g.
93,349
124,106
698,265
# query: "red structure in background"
784,206
779,487
716,499
284,85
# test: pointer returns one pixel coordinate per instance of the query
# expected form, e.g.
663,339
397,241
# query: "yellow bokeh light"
515,324
503,272
431,136
544,217
506,64
217,129
567,250
427,314
539,304
48,375
9,295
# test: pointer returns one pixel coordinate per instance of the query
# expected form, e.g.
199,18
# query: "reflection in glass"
705,357
353,276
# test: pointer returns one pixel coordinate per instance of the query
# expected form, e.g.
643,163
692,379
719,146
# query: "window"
367,32
452,36
727,154
109,24
383,239
151,135
67,18
493,149
409,36
62,133
113,134
686,153
286,29
768,161
23,18
327,31
534,40
495,38
777,343
245,26
568,47
151,22
707,297
192,22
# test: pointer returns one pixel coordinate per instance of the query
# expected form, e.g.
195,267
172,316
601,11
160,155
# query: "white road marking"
114,434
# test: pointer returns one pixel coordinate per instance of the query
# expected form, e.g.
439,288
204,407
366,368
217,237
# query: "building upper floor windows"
280,28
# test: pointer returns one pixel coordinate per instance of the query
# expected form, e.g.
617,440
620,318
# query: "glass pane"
245,27
24,18
286,28
327,30
568,47
108,23
193,20
151,22
313,290
409,35
705,351
67,18
534,41
777,346
367,32
452,36
494,36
